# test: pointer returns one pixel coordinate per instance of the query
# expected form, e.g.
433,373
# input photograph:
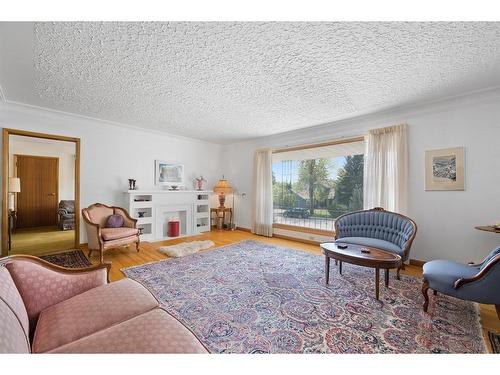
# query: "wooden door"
37,202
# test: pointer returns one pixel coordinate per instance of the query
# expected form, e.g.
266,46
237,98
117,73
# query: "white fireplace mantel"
154,208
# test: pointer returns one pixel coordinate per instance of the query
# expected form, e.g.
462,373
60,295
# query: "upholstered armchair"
378,228
471,282
66,213
101,238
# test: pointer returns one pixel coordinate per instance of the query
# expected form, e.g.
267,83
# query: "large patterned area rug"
252,297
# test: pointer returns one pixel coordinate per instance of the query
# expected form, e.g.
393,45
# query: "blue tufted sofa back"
382,225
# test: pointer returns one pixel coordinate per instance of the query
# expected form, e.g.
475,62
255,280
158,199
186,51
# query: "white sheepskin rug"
185,248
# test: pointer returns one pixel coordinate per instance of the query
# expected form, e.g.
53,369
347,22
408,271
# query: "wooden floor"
127,257
42,240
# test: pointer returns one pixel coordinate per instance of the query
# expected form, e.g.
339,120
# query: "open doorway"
41,193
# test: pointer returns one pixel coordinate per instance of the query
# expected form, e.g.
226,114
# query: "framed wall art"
169,174
445,169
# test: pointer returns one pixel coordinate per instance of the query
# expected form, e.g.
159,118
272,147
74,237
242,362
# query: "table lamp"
14,187
222,188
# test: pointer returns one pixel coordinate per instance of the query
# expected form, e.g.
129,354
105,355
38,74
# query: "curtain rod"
316,145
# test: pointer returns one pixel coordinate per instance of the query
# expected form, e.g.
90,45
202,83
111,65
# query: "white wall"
111,154
445,220
65,151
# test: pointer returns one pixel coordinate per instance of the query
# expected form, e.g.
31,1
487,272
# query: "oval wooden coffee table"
361,256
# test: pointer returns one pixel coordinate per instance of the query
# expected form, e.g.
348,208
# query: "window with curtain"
313,185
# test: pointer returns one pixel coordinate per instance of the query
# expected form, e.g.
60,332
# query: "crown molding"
351,125
49,111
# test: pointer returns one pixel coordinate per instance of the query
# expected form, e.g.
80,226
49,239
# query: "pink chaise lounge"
50,309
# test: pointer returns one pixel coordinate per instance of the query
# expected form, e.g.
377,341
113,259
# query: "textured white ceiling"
229,81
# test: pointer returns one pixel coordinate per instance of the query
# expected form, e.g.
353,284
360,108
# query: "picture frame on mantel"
169,174
445,169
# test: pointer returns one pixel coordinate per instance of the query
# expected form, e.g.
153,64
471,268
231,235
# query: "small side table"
221,216
488,228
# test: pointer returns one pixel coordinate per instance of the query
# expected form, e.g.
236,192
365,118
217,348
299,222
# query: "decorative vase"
200,183
131,184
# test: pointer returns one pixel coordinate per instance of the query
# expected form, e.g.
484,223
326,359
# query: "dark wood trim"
16,160
243,229
479,275
406,250
27,133
5,181
302,240
425,288
5,192
377,258
321,144
297,228
57,268
77,192
417,262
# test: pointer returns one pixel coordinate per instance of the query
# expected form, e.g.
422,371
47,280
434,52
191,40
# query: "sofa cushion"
153,332
110,234
121,242
442,274
372,242
90,312
13,339
10,295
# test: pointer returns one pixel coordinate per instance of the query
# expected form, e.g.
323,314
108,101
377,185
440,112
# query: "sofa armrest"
62,211
128,221
94,237
42,284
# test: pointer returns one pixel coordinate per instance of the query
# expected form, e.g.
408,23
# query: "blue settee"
378,228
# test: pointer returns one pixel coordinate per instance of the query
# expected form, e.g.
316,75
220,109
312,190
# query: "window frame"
298,228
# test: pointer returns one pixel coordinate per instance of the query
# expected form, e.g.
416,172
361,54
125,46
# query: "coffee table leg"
377,281
327,270
340,267
387,278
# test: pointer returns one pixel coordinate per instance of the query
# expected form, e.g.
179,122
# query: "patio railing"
302,218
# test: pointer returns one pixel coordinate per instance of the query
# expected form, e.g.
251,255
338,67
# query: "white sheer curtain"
386,168
262,213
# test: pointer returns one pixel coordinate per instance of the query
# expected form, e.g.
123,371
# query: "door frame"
16,157
5,180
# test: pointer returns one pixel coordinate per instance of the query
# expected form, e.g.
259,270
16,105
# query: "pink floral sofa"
50,309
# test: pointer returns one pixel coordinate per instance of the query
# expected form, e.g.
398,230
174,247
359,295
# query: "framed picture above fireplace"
169,174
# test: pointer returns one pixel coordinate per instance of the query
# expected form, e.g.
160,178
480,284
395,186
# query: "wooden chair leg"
90,253
137,246
102,256
435,292
425,288
397,274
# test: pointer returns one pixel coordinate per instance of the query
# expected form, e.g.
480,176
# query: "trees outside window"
314,192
